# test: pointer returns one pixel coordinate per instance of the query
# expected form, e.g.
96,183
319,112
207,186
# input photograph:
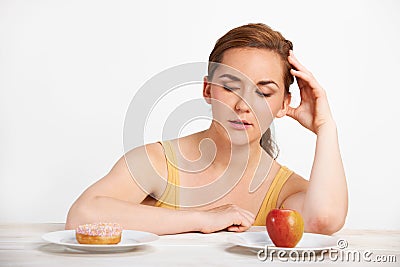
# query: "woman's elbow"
324,224
77,215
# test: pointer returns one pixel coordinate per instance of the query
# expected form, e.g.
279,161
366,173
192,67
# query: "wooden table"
22,245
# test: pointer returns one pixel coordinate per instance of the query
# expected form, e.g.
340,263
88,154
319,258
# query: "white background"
69,69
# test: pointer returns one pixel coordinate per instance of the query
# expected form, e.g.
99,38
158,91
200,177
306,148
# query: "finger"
248,220
295,62
291,112
241,223
249,214
232,229
237,228
306,78
241,220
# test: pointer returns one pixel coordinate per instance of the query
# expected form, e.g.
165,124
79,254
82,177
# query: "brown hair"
258,36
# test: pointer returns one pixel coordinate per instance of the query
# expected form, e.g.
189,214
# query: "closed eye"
229,88
262,94
236,88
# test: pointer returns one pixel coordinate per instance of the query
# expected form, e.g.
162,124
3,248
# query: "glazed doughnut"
99,233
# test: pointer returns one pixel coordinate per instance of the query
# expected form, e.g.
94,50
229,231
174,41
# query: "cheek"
219,95
264,115
275,104
274,108
267,111
221,104
221,98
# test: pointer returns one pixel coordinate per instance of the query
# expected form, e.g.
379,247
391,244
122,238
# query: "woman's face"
246,92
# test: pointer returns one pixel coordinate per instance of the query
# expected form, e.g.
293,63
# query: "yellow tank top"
171,193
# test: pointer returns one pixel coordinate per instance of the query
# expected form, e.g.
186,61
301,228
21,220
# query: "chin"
243,139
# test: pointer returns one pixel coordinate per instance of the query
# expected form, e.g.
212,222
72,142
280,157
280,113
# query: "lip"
240,124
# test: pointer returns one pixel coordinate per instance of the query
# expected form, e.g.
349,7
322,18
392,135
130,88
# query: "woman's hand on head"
227,217
313,111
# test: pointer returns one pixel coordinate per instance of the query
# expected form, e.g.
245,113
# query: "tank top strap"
271,198
170,197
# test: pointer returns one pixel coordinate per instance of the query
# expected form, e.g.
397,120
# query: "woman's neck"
216,147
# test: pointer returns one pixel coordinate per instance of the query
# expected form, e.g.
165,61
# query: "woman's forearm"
132,216
325,203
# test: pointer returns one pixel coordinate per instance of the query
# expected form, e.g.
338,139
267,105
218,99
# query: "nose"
241,104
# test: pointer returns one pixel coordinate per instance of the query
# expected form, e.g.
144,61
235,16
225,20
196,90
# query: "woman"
250,71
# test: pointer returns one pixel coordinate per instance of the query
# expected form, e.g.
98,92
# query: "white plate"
129,240
258,240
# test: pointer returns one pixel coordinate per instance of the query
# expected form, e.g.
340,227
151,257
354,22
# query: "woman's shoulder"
147,161
152,152
155,152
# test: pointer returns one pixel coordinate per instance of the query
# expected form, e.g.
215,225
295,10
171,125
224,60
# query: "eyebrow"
266,82
236,79
230,76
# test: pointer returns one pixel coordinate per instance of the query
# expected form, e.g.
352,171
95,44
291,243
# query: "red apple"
285,227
